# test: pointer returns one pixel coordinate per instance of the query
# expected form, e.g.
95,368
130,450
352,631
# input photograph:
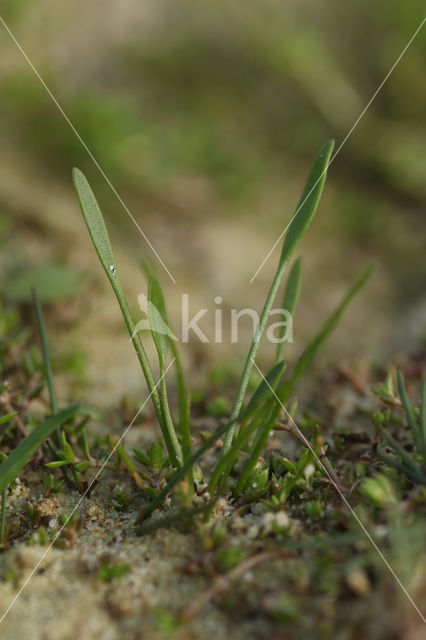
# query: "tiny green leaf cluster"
411,464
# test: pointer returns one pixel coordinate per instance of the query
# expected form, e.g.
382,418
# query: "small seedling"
124,458
99,235
121,502
262,412
379,491
53,485
228,557
108,572
10,468
411,464
305,212
287,477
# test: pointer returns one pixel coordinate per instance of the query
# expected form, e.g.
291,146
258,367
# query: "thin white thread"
80,500
343,143
308,444
123,204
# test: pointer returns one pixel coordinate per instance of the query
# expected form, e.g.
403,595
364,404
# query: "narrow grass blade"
96,226
308,202
183,394
403,454
290,299
184,400
98,232
411,421
49,376
286,388
263,390
182,471
45,351
320,337
10,468
299,223
261,394
259,442
184,404
169,433
393,462
158,319
160,332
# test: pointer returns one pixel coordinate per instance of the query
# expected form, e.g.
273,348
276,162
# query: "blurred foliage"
239,94
54,282
233,100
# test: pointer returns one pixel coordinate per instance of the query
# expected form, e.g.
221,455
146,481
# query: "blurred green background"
206,118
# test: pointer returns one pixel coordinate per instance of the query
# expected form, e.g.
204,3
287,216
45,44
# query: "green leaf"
264,388
300,222
379,490
99,235
63,439
160,333
227,558
308,202
96,226
292,289
158,319
10,468
253,409
408,409
184,398
125,458
320,337
291,296
68,453
305,458
393,462
8,417
403,454
156,456
142,457
82,466
285,389
111,572
56,464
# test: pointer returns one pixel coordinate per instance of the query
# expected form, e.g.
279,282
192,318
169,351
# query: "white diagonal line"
343,142
123,204
308,444
81,499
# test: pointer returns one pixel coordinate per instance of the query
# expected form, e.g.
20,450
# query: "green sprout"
300,222
99,235
259,417
412,464
108,572
18,458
